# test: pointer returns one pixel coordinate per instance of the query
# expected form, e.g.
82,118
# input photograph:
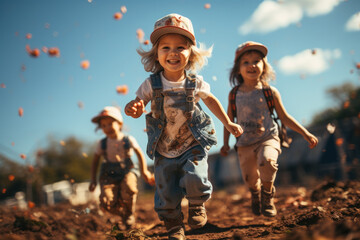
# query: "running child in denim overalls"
180,133
118,174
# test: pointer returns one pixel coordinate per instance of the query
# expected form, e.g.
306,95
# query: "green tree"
347,104
69,159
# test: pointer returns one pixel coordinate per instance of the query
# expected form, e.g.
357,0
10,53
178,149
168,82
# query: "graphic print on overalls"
177,136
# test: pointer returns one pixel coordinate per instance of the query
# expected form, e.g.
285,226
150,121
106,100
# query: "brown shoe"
197,216
175,228
255,202
267,203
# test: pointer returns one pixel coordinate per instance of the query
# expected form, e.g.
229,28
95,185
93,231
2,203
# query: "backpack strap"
232,97
269,100
103,144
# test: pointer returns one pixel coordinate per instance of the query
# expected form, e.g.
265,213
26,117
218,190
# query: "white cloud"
353,24
308,62
272,15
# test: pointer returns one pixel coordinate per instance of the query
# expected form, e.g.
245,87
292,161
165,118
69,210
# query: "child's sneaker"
197,216
175,228
255,202
267,203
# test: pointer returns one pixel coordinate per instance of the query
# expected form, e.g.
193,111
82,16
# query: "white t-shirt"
176,137
115,150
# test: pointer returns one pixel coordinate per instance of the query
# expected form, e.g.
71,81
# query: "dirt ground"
330,210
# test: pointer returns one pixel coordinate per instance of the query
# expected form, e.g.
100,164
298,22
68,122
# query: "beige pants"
258,162
120,199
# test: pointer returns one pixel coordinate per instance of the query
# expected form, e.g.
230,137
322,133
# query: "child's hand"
149,177
135,108
92,186
312,140
224,150
234,129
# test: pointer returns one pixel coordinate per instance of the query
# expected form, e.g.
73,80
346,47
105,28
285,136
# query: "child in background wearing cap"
180,133
118,174
258,147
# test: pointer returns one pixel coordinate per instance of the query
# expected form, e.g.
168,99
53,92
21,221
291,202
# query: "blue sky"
50,90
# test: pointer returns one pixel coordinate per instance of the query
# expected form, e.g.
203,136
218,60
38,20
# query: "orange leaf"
122,89
54,52
339,141
118,15
23,156
21,111
29,36
85,64
207,6
31,204
11,177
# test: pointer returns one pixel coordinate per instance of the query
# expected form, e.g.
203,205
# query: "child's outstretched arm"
145,173
135,108
216,108
94,167
290,122
225,148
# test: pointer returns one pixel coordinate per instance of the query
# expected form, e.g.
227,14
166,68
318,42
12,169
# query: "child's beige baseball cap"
250,45
173,23
108,111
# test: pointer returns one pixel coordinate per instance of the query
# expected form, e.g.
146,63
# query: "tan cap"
108,111
173,23
250,45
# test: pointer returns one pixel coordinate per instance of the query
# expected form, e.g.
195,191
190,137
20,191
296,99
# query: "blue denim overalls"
187,174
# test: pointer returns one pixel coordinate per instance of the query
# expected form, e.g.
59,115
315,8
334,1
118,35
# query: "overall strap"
232,98
190,86
158,97
103,144
126,142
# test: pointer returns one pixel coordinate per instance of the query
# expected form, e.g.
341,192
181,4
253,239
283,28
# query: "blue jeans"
183,176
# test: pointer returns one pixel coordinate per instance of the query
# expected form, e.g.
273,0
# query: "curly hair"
198,57
267,75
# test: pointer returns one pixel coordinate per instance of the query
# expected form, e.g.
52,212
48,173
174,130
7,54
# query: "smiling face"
110,127
173,55
251,66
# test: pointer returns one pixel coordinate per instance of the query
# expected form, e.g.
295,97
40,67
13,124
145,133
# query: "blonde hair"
267,75
197,60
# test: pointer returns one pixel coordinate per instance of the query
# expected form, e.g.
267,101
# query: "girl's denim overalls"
187,174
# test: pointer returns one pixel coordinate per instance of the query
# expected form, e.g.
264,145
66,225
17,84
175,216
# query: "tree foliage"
68,160
347,104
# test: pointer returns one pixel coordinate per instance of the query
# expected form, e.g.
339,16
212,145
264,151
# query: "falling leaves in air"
330,128
33,52
23,156
313,52
118,16
11,177
85,64
2,85
146,42
53,52
122,89
358,65
28,36
346,104
80,105
21,111
123,9
207,6
3,191
31,204
30,168
140,35
339,141
62,143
